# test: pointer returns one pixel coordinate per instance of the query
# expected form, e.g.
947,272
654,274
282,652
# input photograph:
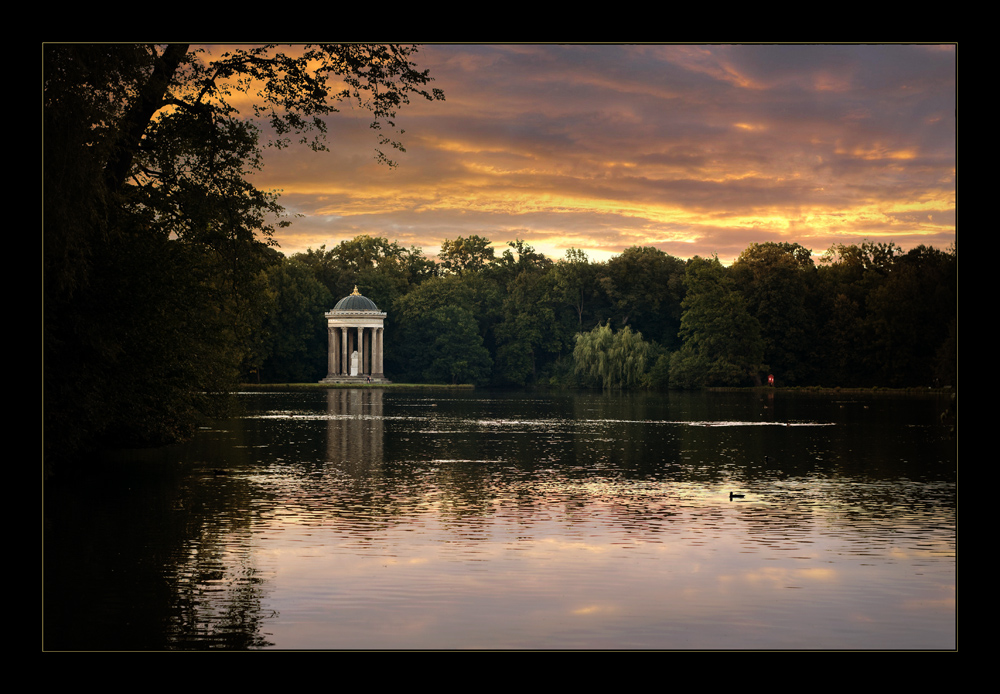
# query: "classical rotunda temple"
355,329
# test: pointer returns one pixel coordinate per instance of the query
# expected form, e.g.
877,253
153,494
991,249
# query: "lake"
393,519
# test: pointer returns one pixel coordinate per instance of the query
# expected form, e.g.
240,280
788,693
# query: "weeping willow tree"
615,360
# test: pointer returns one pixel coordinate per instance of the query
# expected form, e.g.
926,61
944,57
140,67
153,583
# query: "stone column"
369,344
361,351
379,346
366,361
331,352
356,347
345,363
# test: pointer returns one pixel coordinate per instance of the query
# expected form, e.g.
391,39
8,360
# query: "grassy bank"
876,390
327,386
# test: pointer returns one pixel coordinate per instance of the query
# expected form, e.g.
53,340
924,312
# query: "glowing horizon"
697,150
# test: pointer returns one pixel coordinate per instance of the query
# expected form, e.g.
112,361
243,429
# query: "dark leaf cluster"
867,315
161,286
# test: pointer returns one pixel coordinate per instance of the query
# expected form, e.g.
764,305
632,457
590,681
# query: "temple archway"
356,341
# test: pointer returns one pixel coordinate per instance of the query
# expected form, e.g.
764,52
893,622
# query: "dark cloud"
697,149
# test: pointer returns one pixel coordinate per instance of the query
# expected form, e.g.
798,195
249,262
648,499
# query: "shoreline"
329,386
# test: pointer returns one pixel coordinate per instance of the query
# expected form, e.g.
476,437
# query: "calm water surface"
383,519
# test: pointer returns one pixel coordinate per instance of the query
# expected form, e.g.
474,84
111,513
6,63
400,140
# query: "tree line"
163,290
866,315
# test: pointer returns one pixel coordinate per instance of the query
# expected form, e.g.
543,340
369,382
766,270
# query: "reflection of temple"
356,339
356,428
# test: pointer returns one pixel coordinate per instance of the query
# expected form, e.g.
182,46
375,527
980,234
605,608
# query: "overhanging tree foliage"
155,240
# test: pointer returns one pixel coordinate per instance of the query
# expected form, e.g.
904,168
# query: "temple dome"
355,302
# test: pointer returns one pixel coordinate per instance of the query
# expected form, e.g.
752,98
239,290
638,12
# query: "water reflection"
355,426
375,519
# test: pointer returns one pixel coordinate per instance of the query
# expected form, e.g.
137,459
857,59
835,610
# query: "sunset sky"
693,149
